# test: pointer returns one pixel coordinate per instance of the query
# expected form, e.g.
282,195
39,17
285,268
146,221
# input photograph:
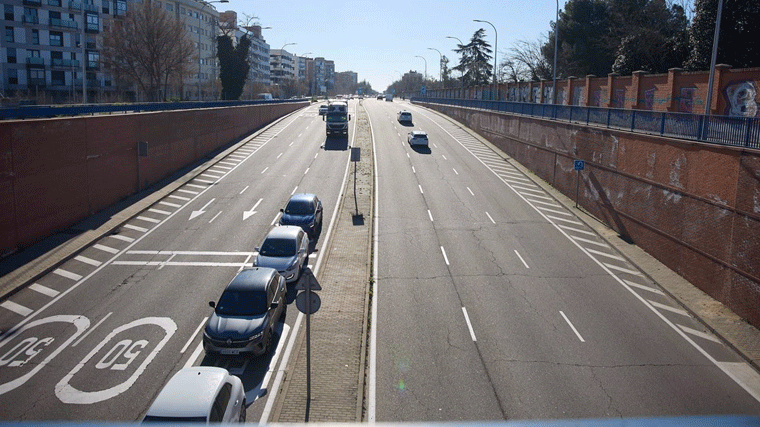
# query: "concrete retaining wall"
695,207
57,172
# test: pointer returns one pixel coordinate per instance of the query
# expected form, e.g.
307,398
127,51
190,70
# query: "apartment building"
282,66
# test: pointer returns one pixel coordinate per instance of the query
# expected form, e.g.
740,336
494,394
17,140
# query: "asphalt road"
98,338
495,302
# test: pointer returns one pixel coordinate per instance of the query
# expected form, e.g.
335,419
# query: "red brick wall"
57,172
695,207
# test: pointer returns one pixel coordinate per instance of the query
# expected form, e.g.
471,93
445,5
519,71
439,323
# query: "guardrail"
723,130
50,111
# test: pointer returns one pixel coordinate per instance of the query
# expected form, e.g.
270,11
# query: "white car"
322,110
404,116
417,137
199,394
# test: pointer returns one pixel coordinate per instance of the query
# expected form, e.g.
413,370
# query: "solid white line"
521,259
44,290
200,253
147,219
468,189
203,180
105,248
445,258
576,230
67,274
489,217
195,355
92,329
178,197
422,192
120,237
159,211
709,337
669,308
182,190
212,219
243,190
605,254
430,215
642,287
181,263
89,261
192,337
469,325
136,228
276,217
556,218
174,205
624,270
372,376
581,239
571,326
16,308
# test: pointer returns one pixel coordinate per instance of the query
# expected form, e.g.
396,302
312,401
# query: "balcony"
63,23
93,65
91,8
32,2
35,62
64,63
36,82
31,19
75,5
92,28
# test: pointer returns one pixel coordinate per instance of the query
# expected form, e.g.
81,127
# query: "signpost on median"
307,303
578,165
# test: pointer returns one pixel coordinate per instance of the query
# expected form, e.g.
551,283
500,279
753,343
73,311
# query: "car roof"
404,111
303,197
252,279
418,133
189,393
284,232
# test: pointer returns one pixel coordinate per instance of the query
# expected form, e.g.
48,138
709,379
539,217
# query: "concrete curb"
52,259
736,333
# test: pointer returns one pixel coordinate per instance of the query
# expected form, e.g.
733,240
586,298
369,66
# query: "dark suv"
246,314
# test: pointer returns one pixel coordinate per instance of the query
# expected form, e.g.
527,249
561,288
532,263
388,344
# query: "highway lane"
97,338
495,302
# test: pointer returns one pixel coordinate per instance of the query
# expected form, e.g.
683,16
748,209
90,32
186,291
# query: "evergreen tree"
738,44
475,61
233,65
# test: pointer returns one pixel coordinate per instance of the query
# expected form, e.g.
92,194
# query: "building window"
57,78
11,55
32,53
54,3
9,38
9,12
35,36
169,7
93,22
92,59
56,38
12,76
36,77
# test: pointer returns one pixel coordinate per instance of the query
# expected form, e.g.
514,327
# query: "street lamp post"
423,58
461,79
282,77
554,69
200,15
440,65
495,47
299,68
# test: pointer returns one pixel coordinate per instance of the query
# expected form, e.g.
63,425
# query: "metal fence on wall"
723,130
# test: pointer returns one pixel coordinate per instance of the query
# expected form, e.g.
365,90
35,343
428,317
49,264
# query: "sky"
380,40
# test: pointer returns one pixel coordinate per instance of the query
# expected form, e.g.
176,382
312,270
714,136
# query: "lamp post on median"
554,69
423,58
200,15
495,41
440,65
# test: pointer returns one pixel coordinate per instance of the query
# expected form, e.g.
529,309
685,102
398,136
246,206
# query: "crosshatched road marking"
16,308
67,274
669,308
136,228
700,334
86,260
105,248
182,190
644,288
622,269
159,211
173,205
147,219
120,237
44,290
173,196
591,242
575,230
605,254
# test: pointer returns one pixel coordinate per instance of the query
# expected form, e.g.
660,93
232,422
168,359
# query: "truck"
336,119
389,97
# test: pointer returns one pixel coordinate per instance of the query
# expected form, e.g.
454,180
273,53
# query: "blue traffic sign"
579,165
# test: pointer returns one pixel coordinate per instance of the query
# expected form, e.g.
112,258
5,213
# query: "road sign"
304,303
423,90
579,165
356,154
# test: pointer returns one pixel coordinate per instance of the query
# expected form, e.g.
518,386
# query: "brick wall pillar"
569,92
587,102
541,87
632,102
673,89
610,89
720,81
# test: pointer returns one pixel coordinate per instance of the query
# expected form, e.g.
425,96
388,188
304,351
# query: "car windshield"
336,117
278,247
299,207
242,303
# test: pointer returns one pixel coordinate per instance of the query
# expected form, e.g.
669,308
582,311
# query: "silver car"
286,249
417,137
204,394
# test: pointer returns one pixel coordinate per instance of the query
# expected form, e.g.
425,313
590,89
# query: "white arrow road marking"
201,210
247,214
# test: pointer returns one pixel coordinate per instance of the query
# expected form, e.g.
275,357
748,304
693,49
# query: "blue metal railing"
48,111
723,130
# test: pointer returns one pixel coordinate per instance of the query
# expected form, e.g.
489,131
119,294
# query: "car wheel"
284,311
242,411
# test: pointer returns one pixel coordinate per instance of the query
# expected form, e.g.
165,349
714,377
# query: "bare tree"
528,62
149,48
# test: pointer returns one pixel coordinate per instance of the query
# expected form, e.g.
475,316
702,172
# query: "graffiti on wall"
577,95
686,102
548,92
741,98
619,101
649,98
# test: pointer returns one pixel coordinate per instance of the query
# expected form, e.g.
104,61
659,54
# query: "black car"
305,211
246,314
